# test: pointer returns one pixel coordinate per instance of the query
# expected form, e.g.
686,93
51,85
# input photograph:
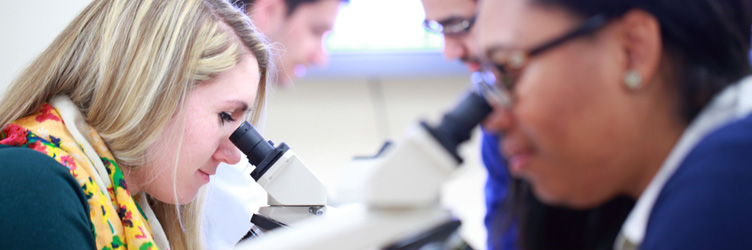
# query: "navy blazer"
707,203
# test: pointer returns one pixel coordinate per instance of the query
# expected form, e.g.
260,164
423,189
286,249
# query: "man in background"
296,29
454,19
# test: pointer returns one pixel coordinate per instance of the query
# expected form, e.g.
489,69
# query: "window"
384,38
381,26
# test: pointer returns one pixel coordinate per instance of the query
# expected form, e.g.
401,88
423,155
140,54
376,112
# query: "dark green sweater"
41,204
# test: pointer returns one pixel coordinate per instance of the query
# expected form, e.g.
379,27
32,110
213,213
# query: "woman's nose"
499,120
228,152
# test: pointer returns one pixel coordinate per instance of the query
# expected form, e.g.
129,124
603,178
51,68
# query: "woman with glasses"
563,228
644,98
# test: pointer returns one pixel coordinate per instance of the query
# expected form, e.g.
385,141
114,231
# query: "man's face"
461,46
300,39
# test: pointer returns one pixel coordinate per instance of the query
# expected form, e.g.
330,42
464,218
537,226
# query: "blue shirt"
496,191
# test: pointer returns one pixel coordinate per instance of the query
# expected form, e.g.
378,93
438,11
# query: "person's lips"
518,157
473,65
206,175
519,161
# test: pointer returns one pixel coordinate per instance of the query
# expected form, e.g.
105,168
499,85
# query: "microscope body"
294,192
397,192
407,174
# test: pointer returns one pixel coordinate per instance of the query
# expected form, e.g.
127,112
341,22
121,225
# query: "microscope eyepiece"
260,152
251,143
456,125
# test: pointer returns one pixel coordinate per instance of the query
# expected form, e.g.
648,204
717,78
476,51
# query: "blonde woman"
108,137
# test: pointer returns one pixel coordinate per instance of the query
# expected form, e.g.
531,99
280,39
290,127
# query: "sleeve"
498,176
42,204
707,204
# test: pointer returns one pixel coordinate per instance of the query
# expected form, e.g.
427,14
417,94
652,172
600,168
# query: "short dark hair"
292,5
707,41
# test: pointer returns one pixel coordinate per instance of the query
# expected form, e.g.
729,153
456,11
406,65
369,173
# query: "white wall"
28,27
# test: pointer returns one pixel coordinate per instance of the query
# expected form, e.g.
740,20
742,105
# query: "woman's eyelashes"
225,117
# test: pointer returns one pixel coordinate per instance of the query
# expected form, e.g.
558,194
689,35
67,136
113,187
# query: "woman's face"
199,139
568,131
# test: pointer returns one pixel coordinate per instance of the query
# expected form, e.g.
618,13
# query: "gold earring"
633,80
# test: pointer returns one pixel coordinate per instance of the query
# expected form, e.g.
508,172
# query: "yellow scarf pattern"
117,220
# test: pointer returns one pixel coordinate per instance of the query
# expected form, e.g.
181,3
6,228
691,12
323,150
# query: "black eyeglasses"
450,27
496,80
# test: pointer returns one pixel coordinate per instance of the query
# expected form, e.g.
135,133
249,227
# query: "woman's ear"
642,43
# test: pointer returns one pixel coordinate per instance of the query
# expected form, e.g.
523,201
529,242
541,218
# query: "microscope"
397,189
294,192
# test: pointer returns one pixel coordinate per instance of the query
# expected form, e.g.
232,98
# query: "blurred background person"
455,20
647,99
296,29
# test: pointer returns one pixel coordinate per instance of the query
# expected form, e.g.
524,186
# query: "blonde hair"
128,65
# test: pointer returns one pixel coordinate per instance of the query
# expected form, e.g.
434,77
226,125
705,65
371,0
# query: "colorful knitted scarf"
117,221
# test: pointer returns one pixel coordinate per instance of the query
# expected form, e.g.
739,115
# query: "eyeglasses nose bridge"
493,95
451,27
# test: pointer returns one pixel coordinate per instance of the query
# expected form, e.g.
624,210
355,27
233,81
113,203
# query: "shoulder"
723,155
27,164
42,199
734,136
707,202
